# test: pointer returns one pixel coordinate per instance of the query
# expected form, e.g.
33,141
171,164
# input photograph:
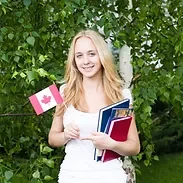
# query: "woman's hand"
101,140
71,131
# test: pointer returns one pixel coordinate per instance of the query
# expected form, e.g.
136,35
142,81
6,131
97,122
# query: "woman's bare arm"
56,137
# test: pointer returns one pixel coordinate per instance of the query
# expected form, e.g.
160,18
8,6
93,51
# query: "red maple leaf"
46,99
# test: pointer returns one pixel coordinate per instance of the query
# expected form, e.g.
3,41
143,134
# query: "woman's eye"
78,56
91,54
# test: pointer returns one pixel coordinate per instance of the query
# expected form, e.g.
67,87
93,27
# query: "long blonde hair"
111,81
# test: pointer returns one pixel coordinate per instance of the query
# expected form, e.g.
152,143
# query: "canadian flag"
46,99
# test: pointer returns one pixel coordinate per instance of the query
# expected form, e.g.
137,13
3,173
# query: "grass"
169,169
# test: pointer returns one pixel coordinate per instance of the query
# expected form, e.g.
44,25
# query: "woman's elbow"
136,150
50,140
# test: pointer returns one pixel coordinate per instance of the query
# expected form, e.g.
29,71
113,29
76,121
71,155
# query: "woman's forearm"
127,148
57,139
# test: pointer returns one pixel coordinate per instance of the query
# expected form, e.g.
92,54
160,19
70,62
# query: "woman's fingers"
100,140
74,126
71,131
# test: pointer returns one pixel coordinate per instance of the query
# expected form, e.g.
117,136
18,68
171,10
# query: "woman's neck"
92,85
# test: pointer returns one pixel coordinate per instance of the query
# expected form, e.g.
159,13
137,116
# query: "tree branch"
18,114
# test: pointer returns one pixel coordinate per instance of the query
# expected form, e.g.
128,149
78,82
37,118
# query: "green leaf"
107,30
14,74
22,75
156,158
32,75
28,26
25,35
27,2
146,162
117,44
77,1
42,58
35,34
8,175
47,150
13,88
101,21
4,10
21,20
143,116
80,20
36,174
24,139
3,1
16,58
31,40
48,162
5,57
21,65
63,13
19,52
4,30
18,13
178,97
52,77
166,94
140,62
10,36
147,110
48,178
42,72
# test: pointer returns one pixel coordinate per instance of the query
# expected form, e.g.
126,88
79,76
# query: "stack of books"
115,121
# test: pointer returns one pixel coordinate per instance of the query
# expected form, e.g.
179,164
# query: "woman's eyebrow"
87,51
91,50
78,53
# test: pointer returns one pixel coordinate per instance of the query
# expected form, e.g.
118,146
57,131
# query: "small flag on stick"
46,99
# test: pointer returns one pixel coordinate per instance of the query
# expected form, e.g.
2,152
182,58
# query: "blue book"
104,117
118,113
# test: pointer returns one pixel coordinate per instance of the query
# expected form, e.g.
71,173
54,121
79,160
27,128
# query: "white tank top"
80,153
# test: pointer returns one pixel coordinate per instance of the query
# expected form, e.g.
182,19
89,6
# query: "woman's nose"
86,59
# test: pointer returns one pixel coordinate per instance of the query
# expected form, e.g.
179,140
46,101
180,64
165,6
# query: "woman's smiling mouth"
88,68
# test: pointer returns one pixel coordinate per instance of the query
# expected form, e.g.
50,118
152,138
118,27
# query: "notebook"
118,131
104,117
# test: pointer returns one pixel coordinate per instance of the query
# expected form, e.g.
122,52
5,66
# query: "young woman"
91,83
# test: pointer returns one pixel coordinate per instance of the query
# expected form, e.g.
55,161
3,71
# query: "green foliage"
40,169
34,42
167,131
153,35
167,170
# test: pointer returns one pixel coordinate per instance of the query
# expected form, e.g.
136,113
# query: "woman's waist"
77,149
79,163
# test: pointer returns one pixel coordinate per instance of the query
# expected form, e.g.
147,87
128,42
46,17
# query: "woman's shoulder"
61,89
127,94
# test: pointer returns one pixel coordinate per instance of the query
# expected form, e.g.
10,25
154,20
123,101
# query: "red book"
118,131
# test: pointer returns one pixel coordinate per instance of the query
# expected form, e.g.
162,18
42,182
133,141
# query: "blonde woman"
91,83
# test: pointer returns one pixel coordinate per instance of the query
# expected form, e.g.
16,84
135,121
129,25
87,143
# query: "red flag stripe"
34,101
56,94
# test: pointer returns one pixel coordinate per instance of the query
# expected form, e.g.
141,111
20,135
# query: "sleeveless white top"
80,153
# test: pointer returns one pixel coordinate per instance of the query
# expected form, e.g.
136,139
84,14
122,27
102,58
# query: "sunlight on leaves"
27,2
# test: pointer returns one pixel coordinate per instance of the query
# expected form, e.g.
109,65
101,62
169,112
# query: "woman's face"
87,58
